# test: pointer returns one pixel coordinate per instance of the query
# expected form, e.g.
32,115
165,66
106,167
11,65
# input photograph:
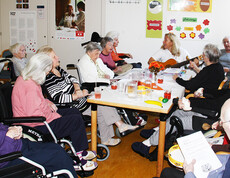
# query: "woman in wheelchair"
28,100
50,155
64,88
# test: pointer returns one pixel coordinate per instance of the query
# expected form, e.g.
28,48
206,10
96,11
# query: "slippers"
112,142
88,155
141,149
87,166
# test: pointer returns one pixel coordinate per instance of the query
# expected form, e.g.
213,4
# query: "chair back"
222,83
8,74
5,101
75,67
6,54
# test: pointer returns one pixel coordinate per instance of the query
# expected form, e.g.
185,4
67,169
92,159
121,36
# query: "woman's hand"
194,66
53,107
76,87
226,69
117,69
189,167
80,94
106,76
184,104
14,132
199,93
175,76
129,55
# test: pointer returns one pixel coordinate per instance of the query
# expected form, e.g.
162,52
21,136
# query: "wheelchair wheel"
118,134
102,152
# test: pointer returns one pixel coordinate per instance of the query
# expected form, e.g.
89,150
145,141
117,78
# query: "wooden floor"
124,163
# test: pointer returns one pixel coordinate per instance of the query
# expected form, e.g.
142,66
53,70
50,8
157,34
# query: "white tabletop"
121,99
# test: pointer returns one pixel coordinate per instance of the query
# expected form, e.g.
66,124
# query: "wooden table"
115,98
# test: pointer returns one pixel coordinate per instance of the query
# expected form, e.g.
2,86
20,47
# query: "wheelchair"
102,150
6,116
27,169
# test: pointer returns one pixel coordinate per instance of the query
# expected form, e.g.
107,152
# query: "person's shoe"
125,129
88,155
141,149
146,133
112,142
87,165
141,122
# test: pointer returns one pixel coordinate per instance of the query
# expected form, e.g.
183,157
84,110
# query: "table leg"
161,145
94,128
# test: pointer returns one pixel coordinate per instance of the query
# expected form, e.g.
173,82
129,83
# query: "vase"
155,77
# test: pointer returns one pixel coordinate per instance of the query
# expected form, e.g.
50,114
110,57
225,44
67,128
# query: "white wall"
10,5
129,21
69,51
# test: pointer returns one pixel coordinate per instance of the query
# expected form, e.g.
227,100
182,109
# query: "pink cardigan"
28,100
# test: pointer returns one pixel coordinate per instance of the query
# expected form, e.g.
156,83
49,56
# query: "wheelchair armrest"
24,120
207,112
10,156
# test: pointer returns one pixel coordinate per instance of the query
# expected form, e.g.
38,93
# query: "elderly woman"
170,50
224,171
210,76
19,57
28,100
50,155
107,48
64,88
118,57
92,67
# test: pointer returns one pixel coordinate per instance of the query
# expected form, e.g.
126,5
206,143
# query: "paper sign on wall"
23,29
190,5
154,19
189,27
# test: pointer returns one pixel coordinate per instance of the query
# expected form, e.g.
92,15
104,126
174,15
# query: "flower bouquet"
155,67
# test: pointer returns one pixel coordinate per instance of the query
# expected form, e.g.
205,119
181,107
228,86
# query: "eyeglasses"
220,122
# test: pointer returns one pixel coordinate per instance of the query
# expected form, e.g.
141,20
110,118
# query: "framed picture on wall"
70,19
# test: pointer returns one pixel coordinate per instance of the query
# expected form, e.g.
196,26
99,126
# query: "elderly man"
225,56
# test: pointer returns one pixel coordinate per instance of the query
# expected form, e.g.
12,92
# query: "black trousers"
172,172
70,124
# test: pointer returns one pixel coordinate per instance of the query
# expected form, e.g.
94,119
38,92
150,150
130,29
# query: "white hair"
15,48
37,68
112,34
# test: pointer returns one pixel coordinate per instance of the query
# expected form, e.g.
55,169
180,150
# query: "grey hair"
212,52
37,68
226,37
15,48
92,46
105,40
112,34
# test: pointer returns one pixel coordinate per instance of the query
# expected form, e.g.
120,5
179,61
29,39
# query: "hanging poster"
23,29
190,5
70,19
154,18
189,27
